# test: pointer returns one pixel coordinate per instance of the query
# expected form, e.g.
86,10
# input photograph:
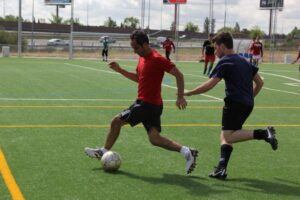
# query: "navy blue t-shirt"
238,75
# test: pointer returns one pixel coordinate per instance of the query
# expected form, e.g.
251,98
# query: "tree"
226,29
131,22
206,25
56,19
237,28
295,33
255,31
75,21
110,23
191,27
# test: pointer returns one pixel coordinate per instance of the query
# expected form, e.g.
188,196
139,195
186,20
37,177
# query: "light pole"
20,29
225,14
32,24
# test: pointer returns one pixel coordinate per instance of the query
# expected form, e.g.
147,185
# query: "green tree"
295,33
56,19
110,23
255,31
191,27
237,28
76,21
206,25
131,22
226,29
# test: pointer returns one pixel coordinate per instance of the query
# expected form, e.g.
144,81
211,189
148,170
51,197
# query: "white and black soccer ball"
111,161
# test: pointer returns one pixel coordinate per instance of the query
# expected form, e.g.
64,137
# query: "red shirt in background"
257,48
150,71
168,44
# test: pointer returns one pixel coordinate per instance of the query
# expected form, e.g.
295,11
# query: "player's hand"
181,103
115,66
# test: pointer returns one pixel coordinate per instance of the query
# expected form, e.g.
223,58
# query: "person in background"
209,56
168,45
105,49
297,57
250,50
257,49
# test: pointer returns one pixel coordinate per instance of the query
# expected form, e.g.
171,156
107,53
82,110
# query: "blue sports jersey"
238,75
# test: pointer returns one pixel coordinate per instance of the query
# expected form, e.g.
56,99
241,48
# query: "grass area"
51,109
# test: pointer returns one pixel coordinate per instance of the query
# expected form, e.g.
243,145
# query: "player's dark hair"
140,37
224,38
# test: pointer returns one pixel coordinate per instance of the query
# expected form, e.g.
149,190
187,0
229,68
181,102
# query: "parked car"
56,42
109,39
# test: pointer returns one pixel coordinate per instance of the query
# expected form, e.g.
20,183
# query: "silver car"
56,42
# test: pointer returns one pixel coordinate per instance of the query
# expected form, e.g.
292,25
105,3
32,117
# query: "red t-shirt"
168,44
150,71
256,48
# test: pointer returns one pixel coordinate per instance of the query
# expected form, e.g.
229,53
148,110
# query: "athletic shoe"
271,138
93,153
219,173
191,160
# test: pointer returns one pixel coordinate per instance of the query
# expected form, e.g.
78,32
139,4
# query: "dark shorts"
235,115
142,112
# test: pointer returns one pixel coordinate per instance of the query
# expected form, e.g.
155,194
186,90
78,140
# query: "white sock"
103,150
185,151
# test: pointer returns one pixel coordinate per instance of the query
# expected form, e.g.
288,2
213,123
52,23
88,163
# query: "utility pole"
20,29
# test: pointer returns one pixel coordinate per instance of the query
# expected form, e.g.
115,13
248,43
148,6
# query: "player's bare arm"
208,85
258,84
130,75
181,102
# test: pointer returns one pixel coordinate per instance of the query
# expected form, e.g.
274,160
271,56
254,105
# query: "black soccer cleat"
271,139
219,173
191,160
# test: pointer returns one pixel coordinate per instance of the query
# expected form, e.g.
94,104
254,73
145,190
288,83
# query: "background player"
209,57
168,45
257,49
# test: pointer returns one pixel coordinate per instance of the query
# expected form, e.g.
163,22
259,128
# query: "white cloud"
245,12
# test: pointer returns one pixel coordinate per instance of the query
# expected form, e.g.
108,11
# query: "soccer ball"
111,161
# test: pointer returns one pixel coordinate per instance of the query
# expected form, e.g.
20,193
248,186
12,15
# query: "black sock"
205,68
209,69
260,134
226,150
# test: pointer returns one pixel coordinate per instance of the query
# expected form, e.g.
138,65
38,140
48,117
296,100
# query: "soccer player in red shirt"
148,106
297,57
168,45
257,49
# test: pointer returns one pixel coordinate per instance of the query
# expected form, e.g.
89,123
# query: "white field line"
212,97
283,91
293,84
90,68
281,76
99,100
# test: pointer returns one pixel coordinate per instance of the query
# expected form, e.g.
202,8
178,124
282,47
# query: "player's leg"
152,125
130,115
211,64
168,55
103,53
189,154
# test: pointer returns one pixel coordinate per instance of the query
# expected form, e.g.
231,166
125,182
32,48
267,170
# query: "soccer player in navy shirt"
240,91
148,106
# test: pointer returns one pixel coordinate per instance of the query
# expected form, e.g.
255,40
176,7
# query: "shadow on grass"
278,187
191,183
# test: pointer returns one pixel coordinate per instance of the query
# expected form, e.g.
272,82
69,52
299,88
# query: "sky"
95,12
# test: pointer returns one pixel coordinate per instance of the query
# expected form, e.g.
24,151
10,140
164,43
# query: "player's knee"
116,122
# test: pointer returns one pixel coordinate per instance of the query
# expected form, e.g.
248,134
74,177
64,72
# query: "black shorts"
147,113
235,115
